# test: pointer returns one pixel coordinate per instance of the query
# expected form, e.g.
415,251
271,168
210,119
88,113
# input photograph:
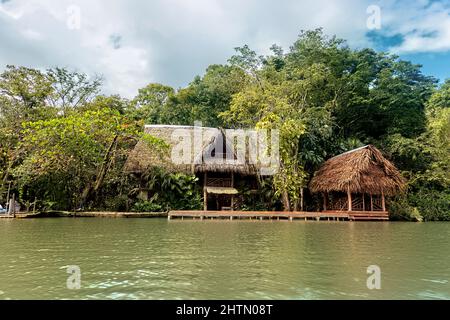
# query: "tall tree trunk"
92,188
295,205
301,199
285,200
105,165
7,171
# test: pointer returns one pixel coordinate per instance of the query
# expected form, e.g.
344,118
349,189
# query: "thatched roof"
143,157
363,170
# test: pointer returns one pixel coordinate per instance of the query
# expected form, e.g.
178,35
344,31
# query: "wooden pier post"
232,196
12,205
7,198
205,193
349,199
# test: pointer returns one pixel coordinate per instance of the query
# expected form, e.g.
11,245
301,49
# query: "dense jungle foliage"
63,145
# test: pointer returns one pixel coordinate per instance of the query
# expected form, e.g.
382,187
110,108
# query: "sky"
134,42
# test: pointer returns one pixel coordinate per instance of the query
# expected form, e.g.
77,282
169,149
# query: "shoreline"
146,215
87,214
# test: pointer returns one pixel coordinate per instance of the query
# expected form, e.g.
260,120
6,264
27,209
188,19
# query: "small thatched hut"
357,180
209,157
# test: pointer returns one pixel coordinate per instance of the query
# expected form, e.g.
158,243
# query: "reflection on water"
160,259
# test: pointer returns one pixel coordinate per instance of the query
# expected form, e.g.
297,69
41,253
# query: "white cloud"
424,25
127,67
32,34
136,42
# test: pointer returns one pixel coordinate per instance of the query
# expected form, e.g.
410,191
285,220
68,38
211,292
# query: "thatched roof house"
362,170
359,171
143,157
206,152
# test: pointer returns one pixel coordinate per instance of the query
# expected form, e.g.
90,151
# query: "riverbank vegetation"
63,145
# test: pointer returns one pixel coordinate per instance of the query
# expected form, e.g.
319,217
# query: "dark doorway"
218,202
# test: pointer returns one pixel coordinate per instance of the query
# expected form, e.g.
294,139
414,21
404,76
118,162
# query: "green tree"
202,100
114,102
151,103
71,156
426,159
24,93
270,109
72,89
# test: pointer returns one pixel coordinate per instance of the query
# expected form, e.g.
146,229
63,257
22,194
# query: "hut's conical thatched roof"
142,157
363,170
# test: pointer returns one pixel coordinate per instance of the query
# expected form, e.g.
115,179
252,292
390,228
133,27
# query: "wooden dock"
281,215
21,215
102,214
230,215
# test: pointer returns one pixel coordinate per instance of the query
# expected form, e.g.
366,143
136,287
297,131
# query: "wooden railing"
377,204
357,204
341,204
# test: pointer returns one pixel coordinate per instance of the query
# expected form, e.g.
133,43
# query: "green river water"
160,259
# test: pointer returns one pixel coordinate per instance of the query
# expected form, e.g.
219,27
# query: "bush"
432,204
113,203
424,204
400,209
147,206
174,191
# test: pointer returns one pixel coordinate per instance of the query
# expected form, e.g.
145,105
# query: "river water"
160,259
